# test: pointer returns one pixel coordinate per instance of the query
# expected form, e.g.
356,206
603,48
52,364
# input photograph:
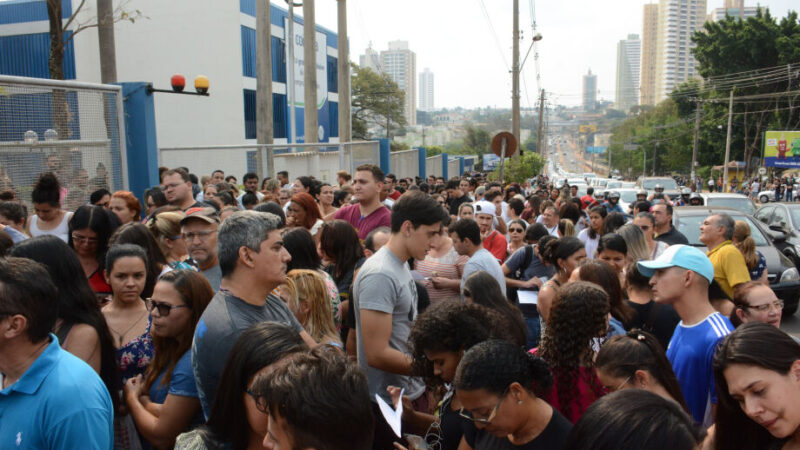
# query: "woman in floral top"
129,323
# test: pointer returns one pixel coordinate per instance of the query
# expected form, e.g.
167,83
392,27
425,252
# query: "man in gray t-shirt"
253,261
385,302
466,236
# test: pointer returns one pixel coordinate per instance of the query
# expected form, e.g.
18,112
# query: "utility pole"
655,157
515,80
345,122
696,140
728,144
310,116
539,148
264,127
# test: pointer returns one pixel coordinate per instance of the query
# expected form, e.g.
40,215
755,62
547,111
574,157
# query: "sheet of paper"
528,297
392,416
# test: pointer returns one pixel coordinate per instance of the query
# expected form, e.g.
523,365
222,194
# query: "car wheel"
763,199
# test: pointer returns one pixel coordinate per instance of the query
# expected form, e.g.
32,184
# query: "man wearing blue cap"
680,277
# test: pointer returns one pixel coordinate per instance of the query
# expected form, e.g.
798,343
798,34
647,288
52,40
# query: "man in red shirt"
492,240
391,182
369,213
587,201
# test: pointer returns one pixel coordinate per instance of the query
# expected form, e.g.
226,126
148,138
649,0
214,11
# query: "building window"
279,115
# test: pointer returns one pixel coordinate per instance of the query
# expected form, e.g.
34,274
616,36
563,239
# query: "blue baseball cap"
680,255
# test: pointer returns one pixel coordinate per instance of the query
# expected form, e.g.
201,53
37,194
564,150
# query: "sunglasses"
515,230
163,308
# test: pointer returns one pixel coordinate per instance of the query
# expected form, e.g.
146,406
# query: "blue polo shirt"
59,403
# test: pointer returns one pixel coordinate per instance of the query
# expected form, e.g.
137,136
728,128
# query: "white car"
766,196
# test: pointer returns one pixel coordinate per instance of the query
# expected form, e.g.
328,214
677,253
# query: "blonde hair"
566,227
165,225
745,243
309,286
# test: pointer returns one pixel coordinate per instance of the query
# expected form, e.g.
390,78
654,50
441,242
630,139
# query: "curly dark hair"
451,326
578,315
494,364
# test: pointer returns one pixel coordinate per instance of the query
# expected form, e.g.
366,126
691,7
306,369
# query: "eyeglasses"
515,230
163,308
620,385
483,420
83,239
767,306
202,235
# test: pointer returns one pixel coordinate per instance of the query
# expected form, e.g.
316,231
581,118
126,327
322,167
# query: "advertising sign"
595,150
320,47
587,128
782,149
490,161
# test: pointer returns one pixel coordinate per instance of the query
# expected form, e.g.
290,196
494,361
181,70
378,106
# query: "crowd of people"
298,314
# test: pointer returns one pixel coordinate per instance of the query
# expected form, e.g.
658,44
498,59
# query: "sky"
467,43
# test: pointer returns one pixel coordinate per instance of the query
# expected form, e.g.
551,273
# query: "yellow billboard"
782,149
587,128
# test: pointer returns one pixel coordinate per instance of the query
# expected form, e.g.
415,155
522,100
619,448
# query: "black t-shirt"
672,237
451,424
553,437
661,325
456,202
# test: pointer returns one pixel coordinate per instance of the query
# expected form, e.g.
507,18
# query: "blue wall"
26,55
22,11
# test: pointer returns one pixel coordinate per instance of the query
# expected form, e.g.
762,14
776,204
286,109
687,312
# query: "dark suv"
671,187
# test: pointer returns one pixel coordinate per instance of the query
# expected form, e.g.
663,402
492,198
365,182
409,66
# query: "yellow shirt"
730,269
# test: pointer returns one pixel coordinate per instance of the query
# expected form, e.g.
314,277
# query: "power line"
494,33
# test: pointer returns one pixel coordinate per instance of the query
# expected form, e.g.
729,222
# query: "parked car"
783,218
671,188
782,273
738,202
766,196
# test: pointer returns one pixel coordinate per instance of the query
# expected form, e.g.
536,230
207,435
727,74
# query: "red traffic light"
178,82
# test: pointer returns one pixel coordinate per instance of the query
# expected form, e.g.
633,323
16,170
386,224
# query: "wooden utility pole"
264,113
345,122
310,113
515,79
541,125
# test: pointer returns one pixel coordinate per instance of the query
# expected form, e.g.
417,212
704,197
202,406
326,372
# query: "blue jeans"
534,330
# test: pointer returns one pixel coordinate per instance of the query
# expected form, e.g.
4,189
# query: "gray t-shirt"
222,322
483,260
536,268
214,276
384,284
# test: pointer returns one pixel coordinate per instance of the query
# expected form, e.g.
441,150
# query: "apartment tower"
647,79
627,82
400,64
677,21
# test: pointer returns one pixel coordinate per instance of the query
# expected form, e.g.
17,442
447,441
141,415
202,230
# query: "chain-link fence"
72,129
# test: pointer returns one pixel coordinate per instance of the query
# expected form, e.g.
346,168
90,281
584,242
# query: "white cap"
484,207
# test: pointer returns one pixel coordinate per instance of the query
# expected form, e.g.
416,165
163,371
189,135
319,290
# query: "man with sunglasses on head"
199,231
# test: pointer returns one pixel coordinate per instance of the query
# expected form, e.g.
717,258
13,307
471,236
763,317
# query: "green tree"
377,101
477,140
520,169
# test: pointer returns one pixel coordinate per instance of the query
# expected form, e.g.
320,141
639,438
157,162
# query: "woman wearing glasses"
516,235
756,302
637,360
165,401
502,390
89,231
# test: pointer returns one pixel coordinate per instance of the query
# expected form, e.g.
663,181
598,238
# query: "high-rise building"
734,8
628,62
589,92
370,59
677,21
649,50
400,64
426,90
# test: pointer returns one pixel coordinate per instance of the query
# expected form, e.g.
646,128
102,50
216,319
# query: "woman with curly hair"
579,314
438,340
564,255
502,391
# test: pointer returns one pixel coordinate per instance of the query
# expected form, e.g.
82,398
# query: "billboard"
782,149
595,150
587,128
490,161
321,48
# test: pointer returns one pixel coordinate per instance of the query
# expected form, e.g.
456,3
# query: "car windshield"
690,227
668,183
614,184
795,212
627,196
738,203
